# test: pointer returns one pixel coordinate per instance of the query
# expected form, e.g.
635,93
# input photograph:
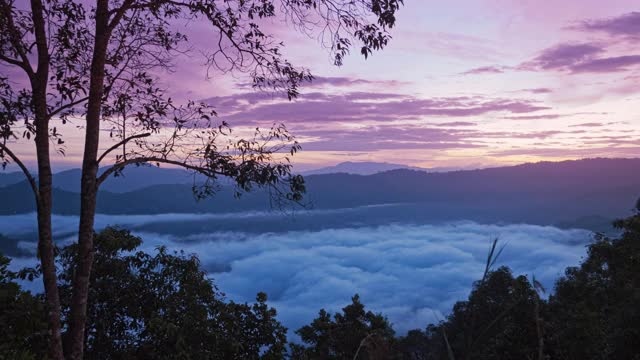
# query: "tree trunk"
539,328
46,248
89,187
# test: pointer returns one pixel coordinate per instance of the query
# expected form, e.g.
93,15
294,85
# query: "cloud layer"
358,106
405,272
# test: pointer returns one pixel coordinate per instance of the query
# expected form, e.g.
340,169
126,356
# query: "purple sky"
463,83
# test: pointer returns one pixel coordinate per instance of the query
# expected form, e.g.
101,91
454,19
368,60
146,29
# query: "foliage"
143,306
496,322
23,333
594,311
163,306
68,59
350,333
592,314
119,47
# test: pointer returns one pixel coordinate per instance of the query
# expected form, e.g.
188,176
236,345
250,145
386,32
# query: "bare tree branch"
13,62
142,160
27,173
15,38
67,106
124,141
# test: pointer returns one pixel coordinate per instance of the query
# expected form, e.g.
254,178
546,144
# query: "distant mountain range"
133,178
360,168
136,178
370,168
585,193
10,178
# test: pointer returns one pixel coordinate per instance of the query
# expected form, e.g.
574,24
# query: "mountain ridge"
540,193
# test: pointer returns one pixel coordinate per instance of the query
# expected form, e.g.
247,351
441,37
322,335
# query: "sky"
468,83
463,84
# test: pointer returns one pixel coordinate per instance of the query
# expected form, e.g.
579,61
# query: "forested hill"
545,193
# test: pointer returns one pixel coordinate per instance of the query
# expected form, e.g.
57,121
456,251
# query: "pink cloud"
611,64
623,151
387,137
579,58
538,90
590,124
456,124
449,44
626,25
360,106
350,82
535,117
599,124
563,56
486,70
374,138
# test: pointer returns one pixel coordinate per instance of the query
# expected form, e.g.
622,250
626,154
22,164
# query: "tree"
165,307
352,334
594,310
496,322
23,332
416,345
143,306
97,62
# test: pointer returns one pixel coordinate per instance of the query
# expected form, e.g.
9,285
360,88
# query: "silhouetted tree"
502,310
417,345
23,333
162,305
70,59
594,311
143,306
352,334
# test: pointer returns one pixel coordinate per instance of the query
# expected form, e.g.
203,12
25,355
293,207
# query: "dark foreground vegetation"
163,306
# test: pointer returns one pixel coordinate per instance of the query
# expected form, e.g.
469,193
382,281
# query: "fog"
410,272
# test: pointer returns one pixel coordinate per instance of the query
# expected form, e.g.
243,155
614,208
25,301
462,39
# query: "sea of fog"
411,272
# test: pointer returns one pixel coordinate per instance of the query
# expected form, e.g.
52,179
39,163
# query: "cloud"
564,56
593,57
456,124
372,138
486,70
538,90
339,81
629,150
317,108
432,137
403,271
551,116
528,135
453,45
579,58
610,64
535,117
624,25
590,124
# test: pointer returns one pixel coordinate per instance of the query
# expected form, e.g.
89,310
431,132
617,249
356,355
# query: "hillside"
541,193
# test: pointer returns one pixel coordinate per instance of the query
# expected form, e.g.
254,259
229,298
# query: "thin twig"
124,141
27,174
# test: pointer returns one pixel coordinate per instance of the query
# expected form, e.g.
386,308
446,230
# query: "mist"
411,273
